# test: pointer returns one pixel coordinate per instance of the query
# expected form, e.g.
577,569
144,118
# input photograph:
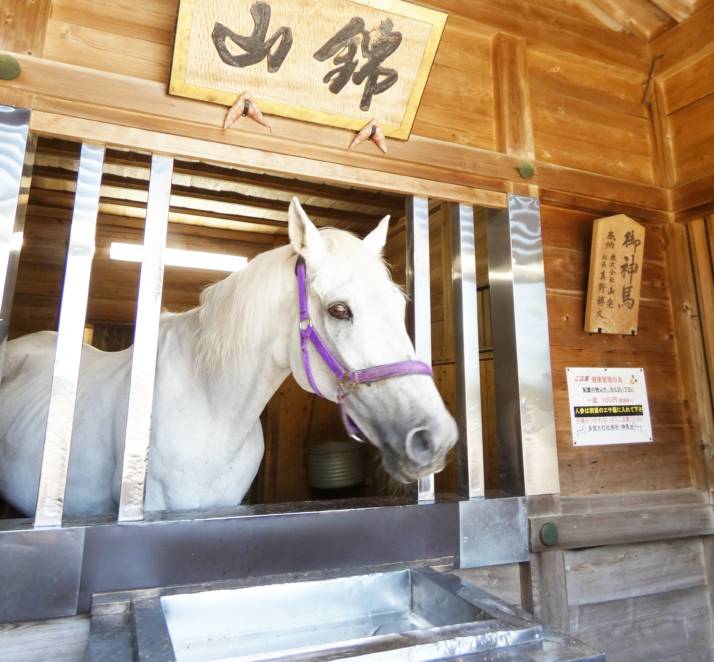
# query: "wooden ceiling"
643,18
207,195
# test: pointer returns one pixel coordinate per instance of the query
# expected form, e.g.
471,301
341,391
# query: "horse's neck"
243,381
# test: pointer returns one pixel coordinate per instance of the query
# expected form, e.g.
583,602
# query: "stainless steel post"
60,417
468,376
419,290
524,391
146,336
17,155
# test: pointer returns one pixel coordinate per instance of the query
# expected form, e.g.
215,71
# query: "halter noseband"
346,379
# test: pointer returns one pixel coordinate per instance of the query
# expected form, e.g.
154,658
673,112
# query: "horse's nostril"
420,446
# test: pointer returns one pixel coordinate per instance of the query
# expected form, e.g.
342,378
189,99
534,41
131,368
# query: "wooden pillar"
514,126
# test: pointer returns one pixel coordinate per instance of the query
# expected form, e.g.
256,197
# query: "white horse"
217,367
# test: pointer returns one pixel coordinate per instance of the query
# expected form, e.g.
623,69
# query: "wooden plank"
626,526
685,42
514,129
687,198
99,49
54,640
150,21
637,17
693,148
667,626
635,500
24,25
503,581
553,74
564,32
689,84
691,355
602,574
679,10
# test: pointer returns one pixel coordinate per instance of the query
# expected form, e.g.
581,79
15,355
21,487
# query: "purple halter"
346,379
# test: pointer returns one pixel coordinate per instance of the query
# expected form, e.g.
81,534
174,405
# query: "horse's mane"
229,316
234,310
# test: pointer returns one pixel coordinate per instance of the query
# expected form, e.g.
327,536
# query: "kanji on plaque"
341,63
616,261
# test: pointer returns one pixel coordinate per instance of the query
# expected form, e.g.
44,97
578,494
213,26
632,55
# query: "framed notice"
608,406
340,63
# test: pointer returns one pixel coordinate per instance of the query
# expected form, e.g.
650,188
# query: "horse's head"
359,313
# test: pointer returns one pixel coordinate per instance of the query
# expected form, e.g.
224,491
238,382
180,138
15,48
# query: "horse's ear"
378,237
304,236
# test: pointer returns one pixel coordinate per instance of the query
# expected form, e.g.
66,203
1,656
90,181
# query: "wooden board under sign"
295,65
616,260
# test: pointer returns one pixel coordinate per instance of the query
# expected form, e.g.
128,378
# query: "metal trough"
403,614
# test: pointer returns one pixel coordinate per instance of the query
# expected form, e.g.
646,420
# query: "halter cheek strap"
347,380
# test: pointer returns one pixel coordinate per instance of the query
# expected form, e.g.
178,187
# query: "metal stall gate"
52,567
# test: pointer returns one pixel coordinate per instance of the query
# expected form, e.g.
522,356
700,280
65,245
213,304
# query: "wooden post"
514,126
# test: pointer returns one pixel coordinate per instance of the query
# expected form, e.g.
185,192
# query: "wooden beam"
660,131
63,90
60,149
203,199
625,526
703,264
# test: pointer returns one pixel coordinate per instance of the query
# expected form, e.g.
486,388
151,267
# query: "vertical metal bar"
60,417
468,376
419,290
17,155
524,392
146,339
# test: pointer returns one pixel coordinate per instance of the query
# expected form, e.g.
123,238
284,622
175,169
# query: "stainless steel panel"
524,395
252,542
146,335
419,291
468,375
17,154
39,573
53,476
493,532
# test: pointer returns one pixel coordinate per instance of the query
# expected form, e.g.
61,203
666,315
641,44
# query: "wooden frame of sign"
287,60
616,260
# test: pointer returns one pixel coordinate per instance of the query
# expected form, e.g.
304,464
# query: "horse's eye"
340,311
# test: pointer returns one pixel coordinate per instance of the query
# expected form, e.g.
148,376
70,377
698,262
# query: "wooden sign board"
616,260
340,63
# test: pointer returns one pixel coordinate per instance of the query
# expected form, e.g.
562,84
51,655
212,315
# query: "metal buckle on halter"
305,324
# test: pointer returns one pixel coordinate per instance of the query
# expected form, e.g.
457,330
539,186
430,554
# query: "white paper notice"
608,406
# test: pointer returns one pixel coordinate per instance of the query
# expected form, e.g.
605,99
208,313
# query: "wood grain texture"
55,640
668,626
616,264
603,574
690,345
552,585
514,129
23,24
625,526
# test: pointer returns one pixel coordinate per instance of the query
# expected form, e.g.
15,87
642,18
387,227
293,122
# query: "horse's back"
24,401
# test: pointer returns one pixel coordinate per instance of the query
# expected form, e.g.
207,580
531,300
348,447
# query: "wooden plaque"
616,260
339,63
